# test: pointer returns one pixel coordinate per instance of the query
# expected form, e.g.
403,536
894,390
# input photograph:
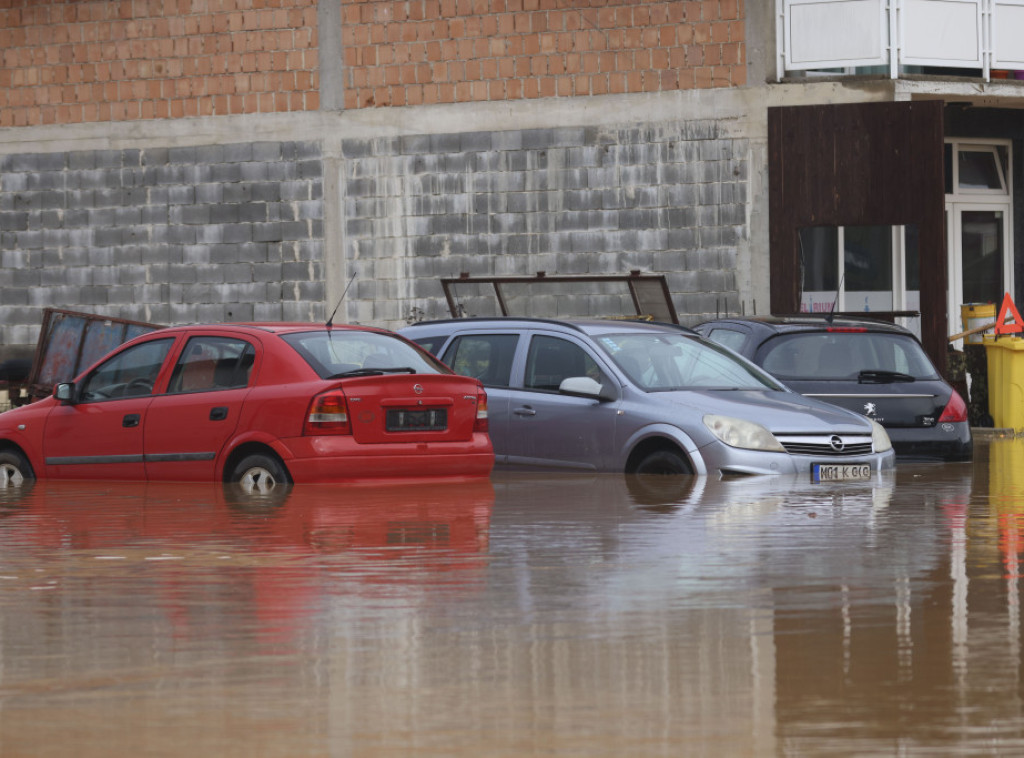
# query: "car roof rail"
477,319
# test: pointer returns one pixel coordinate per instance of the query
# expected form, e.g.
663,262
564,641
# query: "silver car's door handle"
525,411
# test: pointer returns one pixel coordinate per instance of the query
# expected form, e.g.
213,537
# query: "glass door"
980,269
978,230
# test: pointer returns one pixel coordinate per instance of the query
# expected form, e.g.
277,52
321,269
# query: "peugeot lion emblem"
837,443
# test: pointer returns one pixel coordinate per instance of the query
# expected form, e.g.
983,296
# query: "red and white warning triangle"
1008,308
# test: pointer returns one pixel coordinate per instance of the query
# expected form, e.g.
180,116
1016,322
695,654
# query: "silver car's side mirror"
584,386
65,392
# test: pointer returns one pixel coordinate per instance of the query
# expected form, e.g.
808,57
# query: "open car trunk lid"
412,407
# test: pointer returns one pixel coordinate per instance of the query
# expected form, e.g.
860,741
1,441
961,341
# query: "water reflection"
185,539
532,614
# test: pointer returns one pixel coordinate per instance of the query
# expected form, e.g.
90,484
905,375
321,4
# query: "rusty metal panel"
70,342
648,293
859,165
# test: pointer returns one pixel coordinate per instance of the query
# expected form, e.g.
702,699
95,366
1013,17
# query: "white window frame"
976,200
898,278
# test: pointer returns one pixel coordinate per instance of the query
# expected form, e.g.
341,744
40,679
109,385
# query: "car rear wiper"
880,376
373,372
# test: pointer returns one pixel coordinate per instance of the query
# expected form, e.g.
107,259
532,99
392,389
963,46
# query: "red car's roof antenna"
330,321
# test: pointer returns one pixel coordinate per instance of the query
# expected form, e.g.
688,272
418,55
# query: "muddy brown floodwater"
526,615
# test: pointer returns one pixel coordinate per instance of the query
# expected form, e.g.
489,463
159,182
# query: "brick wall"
64,62
114,60
413,52
166,235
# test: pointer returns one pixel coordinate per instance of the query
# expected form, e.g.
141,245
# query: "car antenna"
330,321
832,311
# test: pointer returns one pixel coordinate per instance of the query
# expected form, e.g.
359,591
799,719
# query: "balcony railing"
900,35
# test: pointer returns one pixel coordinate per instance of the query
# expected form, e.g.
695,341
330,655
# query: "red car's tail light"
955,410
328,414
481,424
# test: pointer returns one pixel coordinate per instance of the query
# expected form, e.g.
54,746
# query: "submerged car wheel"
14,469
259,474
663,462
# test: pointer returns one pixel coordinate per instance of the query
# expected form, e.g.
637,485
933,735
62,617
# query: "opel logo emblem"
418,389
837,443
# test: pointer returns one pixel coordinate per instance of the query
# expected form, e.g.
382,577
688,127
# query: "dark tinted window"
488,357
818,260
552,360
843,355
431,344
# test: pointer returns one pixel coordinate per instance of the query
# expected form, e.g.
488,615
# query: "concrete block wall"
668,198
225,232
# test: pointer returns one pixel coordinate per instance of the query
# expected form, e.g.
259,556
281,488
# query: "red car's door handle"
130,420
219,413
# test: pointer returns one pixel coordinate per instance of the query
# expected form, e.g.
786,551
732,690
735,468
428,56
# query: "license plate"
833,472
420,420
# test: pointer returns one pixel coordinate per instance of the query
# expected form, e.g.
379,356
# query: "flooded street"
527,615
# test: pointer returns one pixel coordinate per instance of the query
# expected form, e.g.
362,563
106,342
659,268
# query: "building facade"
172,161
240,159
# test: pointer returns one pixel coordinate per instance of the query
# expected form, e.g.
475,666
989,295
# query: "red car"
258,404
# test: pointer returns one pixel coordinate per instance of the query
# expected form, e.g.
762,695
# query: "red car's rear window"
334,352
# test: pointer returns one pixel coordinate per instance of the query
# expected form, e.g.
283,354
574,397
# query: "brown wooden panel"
859,165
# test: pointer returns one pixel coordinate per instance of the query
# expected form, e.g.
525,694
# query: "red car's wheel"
15,469
259,474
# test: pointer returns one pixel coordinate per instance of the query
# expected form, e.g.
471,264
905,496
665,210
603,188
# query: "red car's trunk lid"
412,407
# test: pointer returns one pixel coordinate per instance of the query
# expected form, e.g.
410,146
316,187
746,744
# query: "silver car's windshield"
659,362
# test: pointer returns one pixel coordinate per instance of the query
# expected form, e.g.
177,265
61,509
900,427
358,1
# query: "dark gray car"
872,367
645,398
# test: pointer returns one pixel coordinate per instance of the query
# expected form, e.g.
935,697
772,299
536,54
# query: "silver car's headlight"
879,437
736,432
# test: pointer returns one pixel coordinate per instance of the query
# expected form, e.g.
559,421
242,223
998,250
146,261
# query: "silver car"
643,398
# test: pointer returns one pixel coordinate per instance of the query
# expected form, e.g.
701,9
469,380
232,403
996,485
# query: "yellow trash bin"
1006,475
977,314
1005,357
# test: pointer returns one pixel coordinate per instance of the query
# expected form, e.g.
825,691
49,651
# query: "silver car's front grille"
834,445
